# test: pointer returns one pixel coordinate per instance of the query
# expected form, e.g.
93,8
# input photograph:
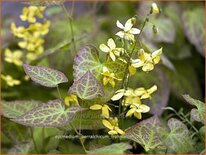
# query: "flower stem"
69,17
59,92
34,142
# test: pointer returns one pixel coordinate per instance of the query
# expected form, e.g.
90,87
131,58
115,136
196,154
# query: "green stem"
69,17
80,139
59,92
34,142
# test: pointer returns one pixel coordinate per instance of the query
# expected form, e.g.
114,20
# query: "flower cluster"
132,99
32,36
31,43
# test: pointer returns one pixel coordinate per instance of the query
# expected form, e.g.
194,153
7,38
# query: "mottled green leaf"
87,120
45,76
194,27
87,87
12,109
22,148
51,114
145,133
198,114
87,59
117,148
178,140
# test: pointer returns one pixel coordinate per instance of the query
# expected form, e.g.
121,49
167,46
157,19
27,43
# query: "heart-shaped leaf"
118,148
87,87
87,59
145,133
22,148
199,113
178,140
51,114
12,109
45,76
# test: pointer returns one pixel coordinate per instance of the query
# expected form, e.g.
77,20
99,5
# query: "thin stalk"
59,92
69,17
80,139
34,142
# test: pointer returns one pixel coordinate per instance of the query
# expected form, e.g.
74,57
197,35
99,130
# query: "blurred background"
180,32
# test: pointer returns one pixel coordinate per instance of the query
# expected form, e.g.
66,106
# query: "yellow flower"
147,93
29,13
137,109
147,60
112,124
108,77
105,109
154,9
19,32
127,30
134,95
39,28
111,49
10,81
13,57
71,100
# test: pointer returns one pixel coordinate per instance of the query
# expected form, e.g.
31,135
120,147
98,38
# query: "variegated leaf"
51,114
198,114
87,59
12,109
45,76
178,140
145,133
87,87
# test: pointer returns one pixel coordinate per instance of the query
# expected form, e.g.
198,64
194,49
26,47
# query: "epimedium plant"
100,97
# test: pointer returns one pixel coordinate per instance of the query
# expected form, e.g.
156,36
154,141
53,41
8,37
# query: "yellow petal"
112,132
104,48
120,34
157,53
148,67
105,112
107,107
138,115
112,82
121,132
111,43
95,107
155,8
156,60
118,95
144,96
143,108
107,124
130,112
139,91
152,89
8,53
112,56
134,31
132,70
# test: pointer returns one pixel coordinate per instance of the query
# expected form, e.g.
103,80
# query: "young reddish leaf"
45,76
87,59
87,87
51,114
